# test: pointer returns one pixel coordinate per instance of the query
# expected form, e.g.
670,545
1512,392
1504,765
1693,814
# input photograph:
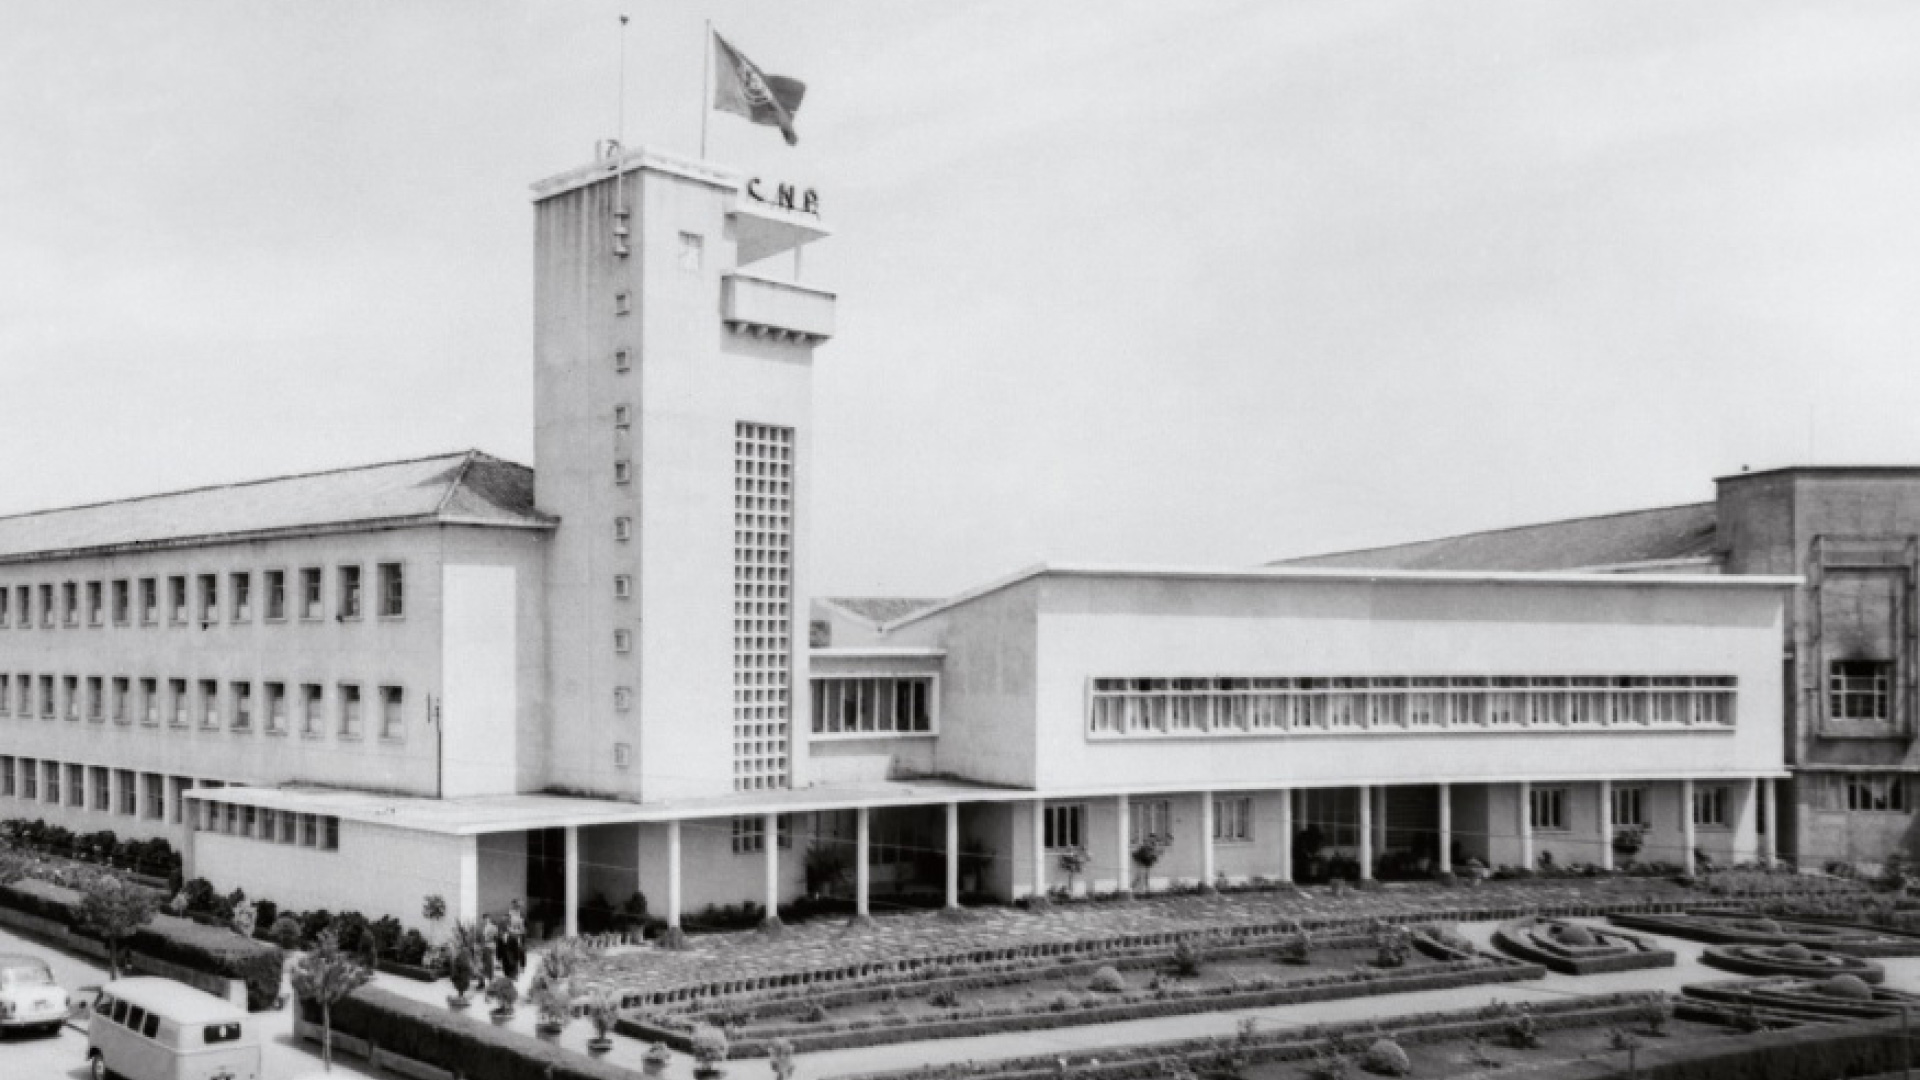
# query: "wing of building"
456,676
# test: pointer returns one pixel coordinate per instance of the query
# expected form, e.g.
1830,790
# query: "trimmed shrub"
1577,936
217,952
1794,951
1107,981
1847,987
1385,1058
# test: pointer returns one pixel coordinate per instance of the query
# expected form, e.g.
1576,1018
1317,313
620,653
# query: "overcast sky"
1150,282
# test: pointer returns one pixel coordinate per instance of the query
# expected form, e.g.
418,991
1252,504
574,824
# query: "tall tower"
672,405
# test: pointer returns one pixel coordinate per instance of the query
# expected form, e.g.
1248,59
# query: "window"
1233,819
1877,793
240,596
242,706
71,684
692,245
177,689
393,591
102,798
621,361
122,602
219,1033
25,696
392,712
1547,808
623,528
49,709
149,701
275,586
7,779
209,703
622,698
177,599
623,303
1629,807
70,603
312,708
750,834
76,786
876,704
622,586
1150,819
1065,827
127,784
23,607
1859,690
312,606
149,601
29,779
208,609
622,417
156,801
181,785
1710,806
350,710
96,604
46,606
276,708
122,690
96,706
623,472
349,592
6,607
6,694
622,641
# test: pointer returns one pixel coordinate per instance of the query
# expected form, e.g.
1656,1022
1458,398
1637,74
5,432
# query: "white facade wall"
376,871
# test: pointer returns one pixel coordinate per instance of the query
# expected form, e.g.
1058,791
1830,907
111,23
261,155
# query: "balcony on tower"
776,310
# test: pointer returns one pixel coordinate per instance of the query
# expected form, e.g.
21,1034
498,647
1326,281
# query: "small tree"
112,911
324,976
780,1059
1073,863
503,992
1147,854
709,1046
434,910
603,1012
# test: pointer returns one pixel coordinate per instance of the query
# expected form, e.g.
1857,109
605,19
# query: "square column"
466,904
1606,824
1686,825
1123,844
1526,824
1746,826
1769,822
1039,884
1286,837
571,895
1206,840
1380,821
1446,828
953,855
862,868
1366,833
770,834
673,874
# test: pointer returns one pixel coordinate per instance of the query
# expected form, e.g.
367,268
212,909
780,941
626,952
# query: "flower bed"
1574,949
1752,928
1841,997
1792,959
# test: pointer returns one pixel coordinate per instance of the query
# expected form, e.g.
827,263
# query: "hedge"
1518,938
1719,928
432,1035
177,941
1813,1052
1749,960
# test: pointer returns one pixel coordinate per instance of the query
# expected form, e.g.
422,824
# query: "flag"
741,89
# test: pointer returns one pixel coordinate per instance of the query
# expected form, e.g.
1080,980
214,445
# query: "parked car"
29,998
158,1029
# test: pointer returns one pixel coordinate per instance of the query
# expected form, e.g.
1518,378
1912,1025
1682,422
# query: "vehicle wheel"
97,1067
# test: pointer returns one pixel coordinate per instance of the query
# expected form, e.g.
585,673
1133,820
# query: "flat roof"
1355,574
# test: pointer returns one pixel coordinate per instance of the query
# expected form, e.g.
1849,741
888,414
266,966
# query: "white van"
158,1029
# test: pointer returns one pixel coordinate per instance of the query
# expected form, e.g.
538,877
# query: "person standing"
517,934
489,945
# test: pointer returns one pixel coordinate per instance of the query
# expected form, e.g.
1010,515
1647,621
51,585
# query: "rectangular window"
349,606
156,797
7,779
96,705
49,708
29,779
622,361
275,586
623,528
750,834
276,708
350,710
622,641
124,780
76,786
393,591
70,603
23,607
1877,793
312,708
209,703
243,706
1150,819
71,686
96,604
6,605
240,595
873,704
177,600
1629,807
1233,819
622,586
149,601
24,698
622,417
622,698
122,602
6,694
1065,827
330,834
312,604
149,701
122,690
309,830
392,712
1860,690
102,797
177,714
1710,806
1547,808
623,472
46,606
208,609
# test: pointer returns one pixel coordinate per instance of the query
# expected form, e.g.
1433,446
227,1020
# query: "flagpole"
706,86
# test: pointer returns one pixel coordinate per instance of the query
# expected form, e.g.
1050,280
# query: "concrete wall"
987,685
376,871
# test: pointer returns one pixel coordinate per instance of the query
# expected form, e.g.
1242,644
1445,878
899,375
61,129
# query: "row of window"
199,599
1226,705
1870,793
207,703
1547,807
320,831
1065,825
872,704
146,796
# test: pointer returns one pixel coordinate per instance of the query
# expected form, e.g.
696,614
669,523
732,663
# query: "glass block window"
762,604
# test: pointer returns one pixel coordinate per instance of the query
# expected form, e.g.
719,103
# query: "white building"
355,689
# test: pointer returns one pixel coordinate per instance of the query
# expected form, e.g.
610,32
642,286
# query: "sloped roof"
464,488
879,610
1637,536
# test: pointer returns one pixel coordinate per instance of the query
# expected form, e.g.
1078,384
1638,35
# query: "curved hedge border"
1532,940
1736,928
1765,960
1784,994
